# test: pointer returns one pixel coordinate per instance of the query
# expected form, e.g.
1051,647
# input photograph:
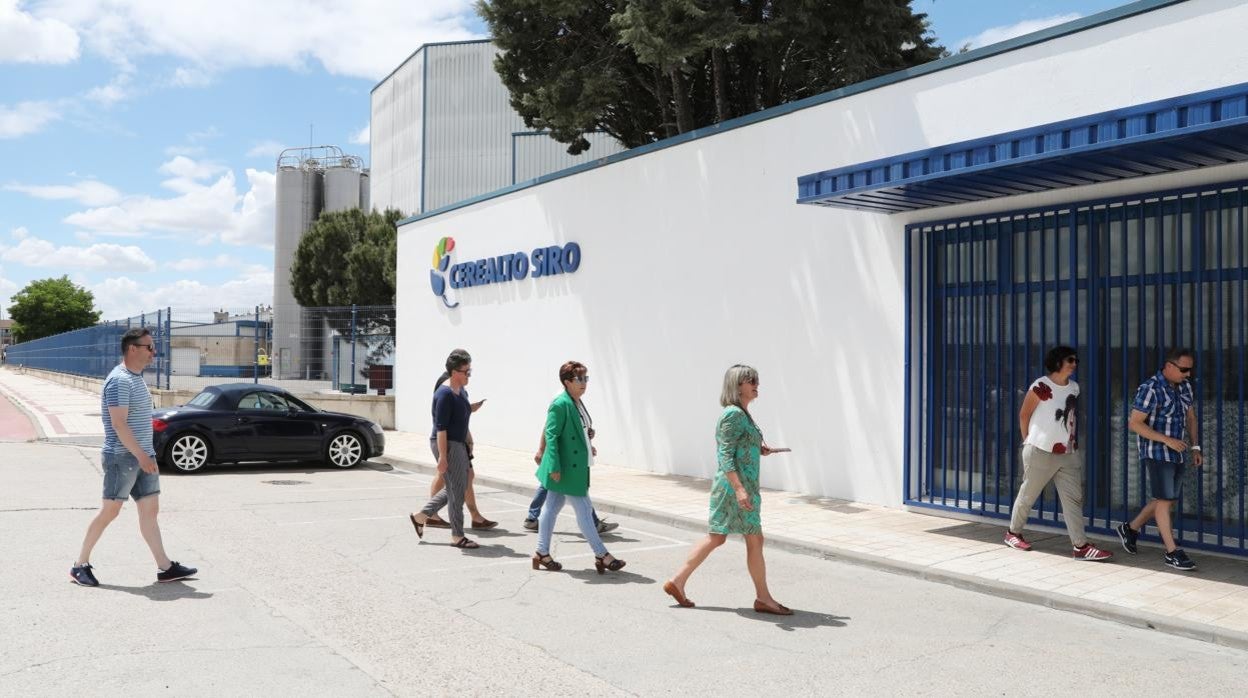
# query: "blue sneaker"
175,572
82,575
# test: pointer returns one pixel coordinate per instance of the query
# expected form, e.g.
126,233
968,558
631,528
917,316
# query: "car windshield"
204,399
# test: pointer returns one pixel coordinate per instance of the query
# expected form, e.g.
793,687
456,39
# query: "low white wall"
378,408
695,258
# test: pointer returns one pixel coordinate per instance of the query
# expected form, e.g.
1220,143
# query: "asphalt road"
312,582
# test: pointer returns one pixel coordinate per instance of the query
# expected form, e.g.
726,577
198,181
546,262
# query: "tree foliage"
51,306
347,258
642,70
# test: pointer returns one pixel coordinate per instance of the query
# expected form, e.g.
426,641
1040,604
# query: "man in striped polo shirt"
129,460
1163,408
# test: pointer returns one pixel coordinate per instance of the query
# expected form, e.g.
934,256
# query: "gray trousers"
452,495
1066,472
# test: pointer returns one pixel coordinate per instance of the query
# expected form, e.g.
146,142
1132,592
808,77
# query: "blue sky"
139,136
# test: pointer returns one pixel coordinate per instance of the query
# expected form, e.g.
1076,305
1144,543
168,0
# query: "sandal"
615,565
779,610
677,594
437,522
420,528
465,544
484,524
546,561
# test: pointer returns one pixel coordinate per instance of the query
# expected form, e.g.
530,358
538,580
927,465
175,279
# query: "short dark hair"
457,359
1056,356
571,369
1177,353
132,336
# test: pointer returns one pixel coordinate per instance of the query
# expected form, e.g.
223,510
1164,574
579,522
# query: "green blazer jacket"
566,453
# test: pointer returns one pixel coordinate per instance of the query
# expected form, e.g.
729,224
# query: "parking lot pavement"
312,582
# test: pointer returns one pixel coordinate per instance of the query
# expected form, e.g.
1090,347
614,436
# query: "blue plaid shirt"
1166,406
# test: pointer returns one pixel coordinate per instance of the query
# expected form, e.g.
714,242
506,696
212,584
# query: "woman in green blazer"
564,470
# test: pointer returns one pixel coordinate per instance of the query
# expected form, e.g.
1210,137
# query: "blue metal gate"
1121,280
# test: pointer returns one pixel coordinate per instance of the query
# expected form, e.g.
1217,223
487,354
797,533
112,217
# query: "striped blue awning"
1183,133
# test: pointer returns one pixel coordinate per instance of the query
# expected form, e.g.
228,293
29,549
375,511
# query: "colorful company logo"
441,270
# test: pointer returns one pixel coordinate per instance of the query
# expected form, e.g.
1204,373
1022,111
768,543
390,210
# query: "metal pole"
255,349
169,348
352,383
156,344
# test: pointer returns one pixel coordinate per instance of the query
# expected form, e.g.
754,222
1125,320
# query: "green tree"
347,258
641,70
51,306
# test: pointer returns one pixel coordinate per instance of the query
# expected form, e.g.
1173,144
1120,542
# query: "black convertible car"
250,422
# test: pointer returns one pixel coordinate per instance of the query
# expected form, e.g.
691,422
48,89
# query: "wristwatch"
1193,448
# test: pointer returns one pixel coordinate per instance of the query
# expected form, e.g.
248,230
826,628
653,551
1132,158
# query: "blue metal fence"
1121,280
94,351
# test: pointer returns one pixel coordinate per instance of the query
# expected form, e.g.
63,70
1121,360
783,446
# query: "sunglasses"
579,379
1072,360
465,371
149,347
1182,369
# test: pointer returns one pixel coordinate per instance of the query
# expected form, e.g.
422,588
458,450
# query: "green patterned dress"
738,441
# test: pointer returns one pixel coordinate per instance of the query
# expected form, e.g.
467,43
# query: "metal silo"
310,181
342,184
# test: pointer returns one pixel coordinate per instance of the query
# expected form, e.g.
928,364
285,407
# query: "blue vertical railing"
1121,280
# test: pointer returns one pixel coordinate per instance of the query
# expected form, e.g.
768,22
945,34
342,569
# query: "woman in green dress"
735,501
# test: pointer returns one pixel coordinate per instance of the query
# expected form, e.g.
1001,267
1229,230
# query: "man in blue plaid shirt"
1164,405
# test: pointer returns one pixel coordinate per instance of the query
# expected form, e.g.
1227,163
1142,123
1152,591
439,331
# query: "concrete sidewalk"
1210,604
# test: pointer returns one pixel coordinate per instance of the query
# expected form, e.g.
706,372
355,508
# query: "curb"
36,420
1060,602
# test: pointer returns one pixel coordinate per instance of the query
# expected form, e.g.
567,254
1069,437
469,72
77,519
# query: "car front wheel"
188,453
345,450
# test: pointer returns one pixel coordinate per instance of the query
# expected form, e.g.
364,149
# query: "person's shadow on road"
591,576
799,619
161,592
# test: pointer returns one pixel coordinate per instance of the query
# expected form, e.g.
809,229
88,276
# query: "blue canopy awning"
1182,133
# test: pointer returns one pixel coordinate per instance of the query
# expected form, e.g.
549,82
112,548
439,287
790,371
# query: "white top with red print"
1053,423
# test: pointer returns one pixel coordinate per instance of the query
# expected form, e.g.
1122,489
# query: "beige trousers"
1066,472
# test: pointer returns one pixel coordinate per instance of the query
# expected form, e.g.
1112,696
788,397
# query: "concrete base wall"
378,408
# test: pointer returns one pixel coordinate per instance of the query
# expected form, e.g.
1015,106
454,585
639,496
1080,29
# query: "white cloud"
20,233
7,289
221,261
994,35
360,137
202,211
266,149
122,296
185,173
366,38
25,118
26,38
191,77
37,252
115,91
88,192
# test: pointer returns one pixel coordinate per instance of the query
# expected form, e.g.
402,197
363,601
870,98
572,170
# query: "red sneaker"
1016,541
1091,552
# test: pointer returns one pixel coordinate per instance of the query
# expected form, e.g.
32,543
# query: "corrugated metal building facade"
443,130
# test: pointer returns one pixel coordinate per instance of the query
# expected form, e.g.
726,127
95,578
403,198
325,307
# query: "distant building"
443,130
6,333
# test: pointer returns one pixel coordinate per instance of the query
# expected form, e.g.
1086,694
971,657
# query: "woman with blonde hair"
735,500
564,470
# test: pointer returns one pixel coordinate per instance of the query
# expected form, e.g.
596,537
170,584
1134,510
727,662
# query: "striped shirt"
124,388
1166,406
